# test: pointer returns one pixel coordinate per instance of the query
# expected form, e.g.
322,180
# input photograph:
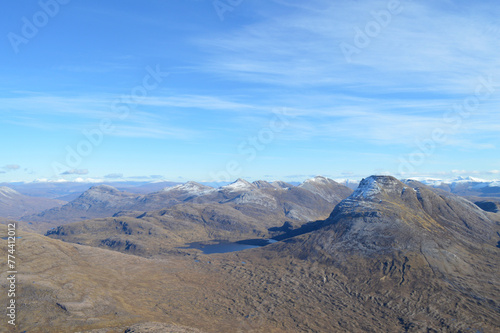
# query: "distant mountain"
326,188
98,201
277,201
466,186
68,191
144,188
105,201
14,204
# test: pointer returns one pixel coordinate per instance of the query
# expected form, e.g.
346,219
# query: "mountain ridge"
105,201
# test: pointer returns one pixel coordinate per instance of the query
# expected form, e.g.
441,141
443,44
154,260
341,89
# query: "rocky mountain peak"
374,185
239,185
102,193
385,214
281,184
318,180
190,187
103,189
262,184
327,188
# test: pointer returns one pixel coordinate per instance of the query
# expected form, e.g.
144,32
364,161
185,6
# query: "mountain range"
193,212
392,256
466,186
104,200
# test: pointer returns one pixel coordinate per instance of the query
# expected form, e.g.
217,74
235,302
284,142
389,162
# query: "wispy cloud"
76,172
114,176
11,167
428,47
199,102
75,113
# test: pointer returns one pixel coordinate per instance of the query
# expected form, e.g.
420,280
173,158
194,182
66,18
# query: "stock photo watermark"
31,26
121,109
364,36
223,6
453,121
11,273
249,148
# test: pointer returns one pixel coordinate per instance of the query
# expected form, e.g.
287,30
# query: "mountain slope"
161,232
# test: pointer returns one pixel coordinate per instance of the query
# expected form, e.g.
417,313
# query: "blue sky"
215,90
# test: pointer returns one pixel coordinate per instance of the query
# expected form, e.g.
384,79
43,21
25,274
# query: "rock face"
14,204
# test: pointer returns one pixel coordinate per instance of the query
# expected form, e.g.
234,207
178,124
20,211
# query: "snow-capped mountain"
238,186
465,186
271,203
326,188
190,188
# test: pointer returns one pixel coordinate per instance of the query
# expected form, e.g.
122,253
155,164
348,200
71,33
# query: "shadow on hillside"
286,230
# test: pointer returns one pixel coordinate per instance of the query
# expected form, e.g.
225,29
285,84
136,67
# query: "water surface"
221,246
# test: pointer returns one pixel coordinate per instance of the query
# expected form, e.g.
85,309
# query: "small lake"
220,246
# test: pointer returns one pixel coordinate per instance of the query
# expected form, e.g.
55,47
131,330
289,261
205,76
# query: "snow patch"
190,188
367,188
239,185
468,179
317,180
8,192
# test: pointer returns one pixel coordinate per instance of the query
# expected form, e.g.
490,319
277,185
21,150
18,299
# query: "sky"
278,89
